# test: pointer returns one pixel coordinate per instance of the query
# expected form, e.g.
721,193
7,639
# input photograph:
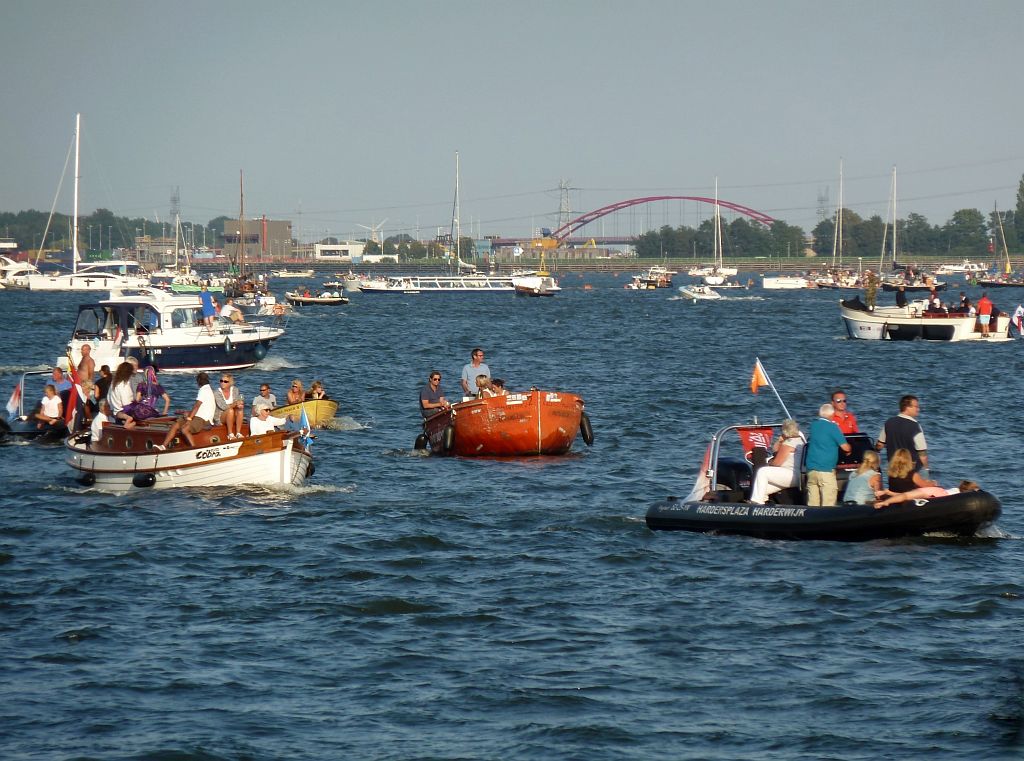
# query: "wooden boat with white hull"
515,425
126,459
717,503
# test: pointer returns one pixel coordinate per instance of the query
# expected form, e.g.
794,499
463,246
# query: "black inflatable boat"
716,503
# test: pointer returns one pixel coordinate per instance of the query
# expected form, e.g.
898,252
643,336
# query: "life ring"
278,310
448,439
586,429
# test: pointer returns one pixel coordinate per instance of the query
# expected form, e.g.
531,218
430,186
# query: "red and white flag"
77,393
14,402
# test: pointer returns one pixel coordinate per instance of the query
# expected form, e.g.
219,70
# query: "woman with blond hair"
902,476
861,488
296,393
230,405
783,469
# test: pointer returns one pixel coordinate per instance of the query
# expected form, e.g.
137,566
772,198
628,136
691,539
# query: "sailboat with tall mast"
97,276
1004,279
454,283
719,273
906,278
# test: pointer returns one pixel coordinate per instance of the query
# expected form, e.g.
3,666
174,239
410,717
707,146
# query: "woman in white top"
783,470
121,393
51,409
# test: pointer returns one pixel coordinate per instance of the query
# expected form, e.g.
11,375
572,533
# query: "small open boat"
515,425
125,459
699,292
297,299
21,424
319,412
717,503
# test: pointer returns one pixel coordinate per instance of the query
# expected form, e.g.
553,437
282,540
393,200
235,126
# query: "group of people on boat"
901,436
476,382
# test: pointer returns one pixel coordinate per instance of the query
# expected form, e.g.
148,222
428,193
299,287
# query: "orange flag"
759,378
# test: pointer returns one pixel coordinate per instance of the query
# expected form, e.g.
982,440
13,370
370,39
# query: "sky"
344,116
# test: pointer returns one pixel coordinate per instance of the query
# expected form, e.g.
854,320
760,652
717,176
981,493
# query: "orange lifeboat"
514,425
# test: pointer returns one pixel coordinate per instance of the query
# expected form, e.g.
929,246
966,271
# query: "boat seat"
735,477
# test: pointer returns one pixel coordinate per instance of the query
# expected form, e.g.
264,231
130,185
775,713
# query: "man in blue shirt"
825,441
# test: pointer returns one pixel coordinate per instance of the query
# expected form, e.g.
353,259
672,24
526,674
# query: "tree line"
967,234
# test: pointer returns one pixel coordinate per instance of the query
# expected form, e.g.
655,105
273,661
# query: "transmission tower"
824,207
175,202
564,207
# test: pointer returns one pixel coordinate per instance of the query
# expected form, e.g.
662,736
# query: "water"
403,606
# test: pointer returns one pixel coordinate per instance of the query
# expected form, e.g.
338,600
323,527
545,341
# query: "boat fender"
448,438
87,479
143,480
228,346
421,441
310,470
259,351
586,429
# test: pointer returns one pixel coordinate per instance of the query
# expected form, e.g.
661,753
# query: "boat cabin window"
185,317
91,322
143,319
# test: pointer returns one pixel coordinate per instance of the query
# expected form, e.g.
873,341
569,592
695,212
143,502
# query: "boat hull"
909,323
126,459
959,514
297,300
517,425
319,412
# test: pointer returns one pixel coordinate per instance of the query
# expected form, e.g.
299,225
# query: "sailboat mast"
241,224
894,218
1002,236
837,240
74,234
455,218
719,249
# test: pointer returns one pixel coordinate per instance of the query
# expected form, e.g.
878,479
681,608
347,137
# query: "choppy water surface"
403,606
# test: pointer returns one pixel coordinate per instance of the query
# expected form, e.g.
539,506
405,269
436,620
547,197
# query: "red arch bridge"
563,233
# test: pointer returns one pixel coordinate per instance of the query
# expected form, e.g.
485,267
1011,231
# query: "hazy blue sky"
345,113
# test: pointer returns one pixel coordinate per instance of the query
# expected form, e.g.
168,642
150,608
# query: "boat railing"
21,388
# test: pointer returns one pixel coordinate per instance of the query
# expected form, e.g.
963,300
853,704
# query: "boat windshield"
93,321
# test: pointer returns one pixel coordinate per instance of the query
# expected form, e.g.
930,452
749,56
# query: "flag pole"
772,387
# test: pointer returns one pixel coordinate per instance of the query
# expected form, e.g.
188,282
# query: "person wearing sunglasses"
432,397
230,405
296,393
845,419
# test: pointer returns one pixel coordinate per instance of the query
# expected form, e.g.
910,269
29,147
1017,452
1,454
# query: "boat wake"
346,423
270,363
19,369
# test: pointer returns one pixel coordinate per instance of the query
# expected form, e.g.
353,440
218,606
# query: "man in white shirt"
230,312
102,416
198,418
263,422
